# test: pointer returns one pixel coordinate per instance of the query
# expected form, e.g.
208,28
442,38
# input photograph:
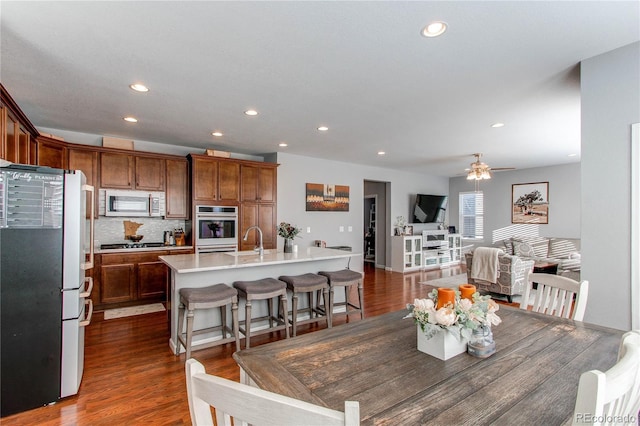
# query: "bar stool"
264,289
345,278
308,283
192,299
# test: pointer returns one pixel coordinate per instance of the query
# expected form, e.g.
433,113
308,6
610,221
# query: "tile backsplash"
110,230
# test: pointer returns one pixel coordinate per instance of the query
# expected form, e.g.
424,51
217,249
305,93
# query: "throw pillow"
523,249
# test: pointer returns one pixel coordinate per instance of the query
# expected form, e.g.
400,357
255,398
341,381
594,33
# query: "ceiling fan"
480,170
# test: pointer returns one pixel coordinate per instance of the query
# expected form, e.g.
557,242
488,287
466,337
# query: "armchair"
513,275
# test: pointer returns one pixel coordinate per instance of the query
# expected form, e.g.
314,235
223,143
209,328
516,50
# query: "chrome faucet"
259,249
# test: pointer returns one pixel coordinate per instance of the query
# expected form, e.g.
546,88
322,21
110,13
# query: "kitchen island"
202,270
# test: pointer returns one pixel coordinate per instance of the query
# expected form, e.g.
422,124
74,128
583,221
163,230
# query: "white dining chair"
250,405
612,397
556,295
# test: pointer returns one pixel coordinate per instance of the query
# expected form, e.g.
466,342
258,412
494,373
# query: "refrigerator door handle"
87,292
91,189
87,319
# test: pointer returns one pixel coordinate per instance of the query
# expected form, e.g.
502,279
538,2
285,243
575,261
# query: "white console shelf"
431,250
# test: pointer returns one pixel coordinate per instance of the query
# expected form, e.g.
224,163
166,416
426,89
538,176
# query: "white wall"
610,86
295,171
564,202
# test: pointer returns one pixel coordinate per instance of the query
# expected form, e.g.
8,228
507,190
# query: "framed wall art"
327,197
530,203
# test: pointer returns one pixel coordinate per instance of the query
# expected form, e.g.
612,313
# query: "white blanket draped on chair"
485,264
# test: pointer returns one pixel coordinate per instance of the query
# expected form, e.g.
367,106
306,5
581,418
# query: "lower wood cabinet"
128,279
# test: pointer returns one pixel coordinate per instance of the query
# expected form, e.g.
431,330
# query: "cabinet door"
229,180
23,146
116,170
177,190
149,174
263,215
152,280
118,283
266,184
9,138
249,183
52,154
87,161
205,173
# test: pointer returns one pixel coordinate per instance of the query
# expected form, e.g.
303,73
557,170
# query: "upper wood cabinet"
87,161
129,171
51,153
258,182
149,173
214,179
116,170
16,132
177,189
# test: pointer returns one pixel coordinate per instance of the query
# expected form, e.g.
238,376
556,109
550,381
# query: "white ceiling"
361,68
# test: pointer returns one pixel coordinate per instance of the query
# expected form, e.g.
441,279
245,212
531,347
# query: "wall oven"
216,229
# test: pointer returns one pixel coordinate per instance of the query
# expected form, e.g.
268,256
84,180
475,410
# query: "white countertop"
186,263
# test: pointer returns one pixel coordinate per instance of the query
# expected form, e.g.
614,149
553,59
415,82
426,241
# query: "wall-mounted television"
430,208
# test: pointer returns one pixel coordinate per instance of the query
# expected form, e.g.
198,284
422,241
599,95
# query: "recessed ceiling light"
251,112
139,87
323,128
434,29
573,155
283,144
130,119
497,125
381,153
217,134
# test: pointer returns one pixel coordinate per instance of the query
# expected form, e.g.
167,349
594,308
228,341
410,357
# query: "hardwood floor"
132,378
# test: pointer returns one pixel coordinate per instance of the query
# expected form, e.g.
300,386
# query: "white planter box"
442,346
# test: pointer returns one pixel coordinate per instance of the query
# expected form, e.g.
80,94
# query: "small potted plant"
288,232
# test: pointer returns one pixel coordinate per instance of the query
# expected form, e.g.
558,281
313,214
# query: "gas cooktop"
130,246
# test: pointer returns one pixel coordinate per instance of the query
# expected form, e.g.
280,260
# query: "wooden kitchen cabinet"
127,171
214,179
151,280
51,152
258,182
177,196
118,283
87,161
149,173
16,132
130,278
263,215
116,170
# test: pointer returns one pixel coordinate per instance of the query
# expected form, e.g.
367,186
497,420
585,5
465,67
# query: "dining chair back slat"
556,295
250,405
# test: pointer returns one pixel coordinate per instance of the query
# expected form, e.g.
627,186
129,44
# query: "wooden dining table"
531,379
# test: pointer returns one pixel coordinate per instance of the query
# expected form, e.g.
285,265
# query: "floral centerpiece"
288,232
456,313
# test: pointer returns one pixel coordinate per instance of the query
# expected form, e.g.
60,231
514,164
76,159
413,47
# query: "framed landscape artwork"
327,197
530,203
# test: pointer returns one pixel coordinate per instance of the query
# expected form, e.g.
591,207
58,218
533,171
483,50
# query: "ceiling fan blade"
499,169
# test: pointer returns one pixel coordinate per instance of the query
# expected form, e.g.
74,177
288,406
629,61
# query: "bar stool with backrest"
308,283
345,278
215,296
264,289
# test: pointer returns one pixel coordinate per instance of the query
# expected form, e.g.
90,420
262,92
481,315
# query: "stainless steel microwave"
132,203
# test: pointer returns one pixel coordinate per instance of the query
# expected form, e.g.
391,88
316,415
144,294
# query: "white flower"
492,306
423,304
465,304
445,316
493,319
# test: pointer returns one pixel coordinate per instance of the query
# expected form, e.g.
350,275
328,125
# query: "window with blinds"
471,215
